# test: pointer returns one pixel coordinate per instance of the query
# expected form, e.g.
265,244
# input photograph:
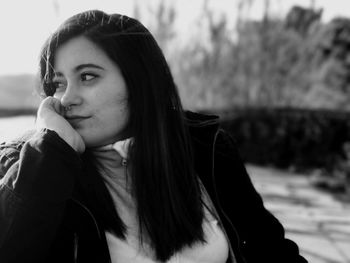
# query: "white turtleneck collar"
116,152
112,157
122,147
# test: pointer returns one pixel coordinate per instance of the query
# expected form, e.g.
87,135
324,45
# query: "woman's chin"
92,142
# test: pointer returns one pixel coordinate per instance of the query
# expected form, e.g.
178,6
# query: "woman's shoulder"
202,127
207,128
200,119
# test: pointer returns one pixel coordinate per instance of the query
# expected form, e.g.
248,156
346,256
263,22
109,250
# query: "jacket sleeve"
36,181
262,236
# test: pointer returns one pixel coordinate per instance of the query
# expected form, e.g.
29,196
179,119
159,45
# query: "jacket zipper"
76,235
75,247
219,205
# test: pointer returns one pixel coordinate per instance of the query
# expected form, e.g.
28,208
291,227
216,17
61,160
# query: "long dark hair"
166,189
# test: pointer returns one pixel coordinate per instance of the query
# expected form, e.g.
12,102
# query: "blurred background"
277,72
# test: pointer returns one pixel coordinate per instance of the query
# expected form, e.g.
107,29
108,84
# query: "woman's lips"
74,120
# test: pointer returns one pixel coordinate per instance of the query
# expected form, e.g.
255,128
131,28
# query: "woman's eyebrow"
88,65
78,68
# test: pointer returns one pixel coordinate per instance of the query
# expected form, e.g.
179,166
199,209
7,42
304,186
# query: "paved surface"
314,219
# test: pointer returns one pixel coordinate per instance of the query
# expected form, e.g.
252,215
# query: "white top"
215,250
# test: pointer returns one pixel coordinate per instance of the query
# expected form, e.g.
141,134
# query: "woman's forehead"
78,53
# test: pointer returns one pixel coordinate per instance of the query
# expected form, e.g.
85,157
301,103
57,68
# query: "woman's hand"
50,116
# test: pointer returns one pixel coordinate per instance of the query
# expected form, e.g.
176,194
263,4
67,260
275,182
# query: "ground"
317,221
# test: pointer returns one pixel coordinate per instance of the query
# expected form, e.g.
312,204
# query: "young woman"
117,171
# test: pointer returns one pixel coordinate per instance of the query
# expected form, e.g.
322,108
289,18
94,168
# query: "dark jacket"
43,218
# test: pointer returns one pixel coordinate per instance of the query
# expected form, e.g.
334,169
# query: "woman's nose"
71,96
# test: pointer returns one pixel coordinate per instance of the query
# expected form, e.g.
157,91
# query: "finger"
57,106
54,104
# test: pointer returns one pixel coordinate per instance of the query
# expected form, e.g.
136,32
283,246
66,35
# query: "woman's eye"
88,76
59,85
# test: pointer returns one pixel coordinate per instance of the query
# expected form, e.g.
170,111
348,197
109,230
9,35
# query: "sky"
25,24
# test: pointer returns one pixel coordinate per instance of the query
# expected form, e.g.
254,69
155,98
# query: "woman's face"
90,83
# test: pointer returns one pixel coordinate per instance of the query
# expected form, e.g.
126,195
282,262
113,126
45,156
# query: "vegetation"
281,84
295,61
301,139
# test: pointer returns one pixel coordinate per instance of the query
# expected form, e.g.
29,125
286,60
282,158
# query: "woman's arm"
36,182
